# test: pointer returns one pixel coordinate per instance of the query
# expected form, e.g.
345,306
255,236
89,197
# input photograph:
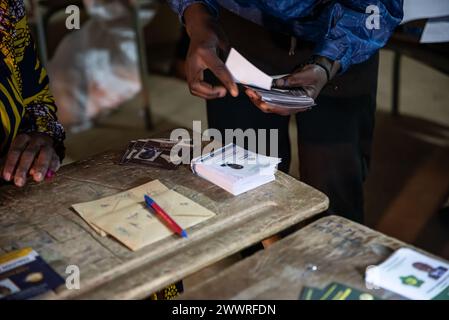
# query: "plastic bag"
95,69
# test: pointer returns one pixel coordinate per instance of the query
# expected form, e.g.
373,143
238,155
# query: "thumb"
290,81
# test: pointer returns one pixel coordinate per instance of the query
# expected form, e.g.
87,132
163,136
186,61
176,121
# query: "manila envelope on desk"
125,216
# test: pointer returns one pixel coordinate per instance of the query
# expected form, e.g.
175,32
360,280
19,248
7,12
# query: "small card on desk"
154,152
335,291
125,216
25,275
412,275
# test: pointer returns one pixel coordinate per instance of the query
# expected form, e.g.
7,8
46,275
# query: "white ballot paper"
425,9
436,30
235,169
245,73
412,275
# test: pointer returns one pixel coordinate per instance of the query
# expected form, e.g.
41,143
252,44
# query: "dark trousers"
334,137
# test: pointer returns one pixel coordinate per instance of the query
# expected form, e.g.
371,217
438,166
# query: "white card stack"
235,169
296,99
244,72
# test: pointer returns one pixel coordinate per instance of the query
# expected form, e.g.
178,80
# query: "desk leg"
141,55
396,83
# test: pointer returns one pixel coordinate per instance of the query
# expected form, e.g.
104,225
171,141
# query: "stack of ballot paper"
126,217
246,73
235,169
412,275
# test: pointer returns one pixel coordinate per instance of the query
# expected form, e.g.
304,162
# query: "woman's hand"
30,154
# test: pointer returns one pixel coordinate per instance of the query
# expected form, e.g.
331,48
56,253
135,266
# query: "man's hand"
30,154
312,78
206,39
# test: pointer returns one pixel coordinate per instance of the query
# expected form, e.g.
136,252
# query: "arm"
206,40
348,39
38,147
179,6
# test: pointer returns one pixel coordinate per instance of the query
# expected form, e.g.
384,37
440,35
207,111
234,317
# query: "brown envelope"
125,216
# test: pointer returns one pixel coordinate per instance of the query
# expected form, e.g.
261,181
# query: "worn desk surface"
339,248
41,217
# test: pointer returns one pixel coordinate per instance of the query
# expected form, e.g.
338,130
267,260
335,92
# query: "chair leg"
41,35
396,84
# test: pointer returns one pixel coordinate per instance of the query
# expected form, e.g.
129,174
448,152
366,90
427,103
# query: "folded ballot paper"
412,275
235,169
125,216
244,72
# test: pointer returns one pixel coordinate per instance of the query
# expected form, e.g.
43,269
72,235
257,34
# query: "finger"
26,160
54,166
197,85
42,163
289,81
270,108
55,163
220,70
252,94
266,107
205,90
257,101
17,147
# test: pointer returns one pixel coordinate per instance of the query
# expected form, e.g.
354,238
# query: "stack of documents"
291,99
235,169
246,73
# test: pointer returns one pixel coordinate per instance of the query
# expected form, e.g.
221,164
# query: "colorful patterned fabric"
338,27
26,104
169,293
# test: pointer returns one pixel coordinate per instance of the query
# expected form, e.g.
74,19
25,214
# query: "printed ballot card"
25,275
412,275
245,72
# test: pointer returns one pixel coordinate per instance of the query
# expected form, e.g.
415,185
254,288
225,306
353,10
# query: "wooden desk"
341,249
40,217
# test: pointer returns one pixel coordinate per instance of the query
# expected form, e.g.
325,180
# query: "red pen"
164,215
